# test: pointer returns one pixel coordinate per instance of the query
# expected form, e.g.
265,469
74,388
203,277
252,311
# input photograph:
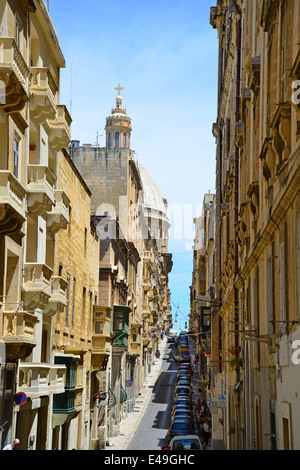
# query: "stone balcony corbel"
43,89
60,129
281,127
36,290
58,299
253,193
58,218
12,203
14,75
19,334
40,188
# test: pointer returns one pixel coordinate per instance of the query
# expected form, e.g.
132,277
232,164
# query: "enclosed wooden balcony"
40,188
102,336
12,203
38,379
43,89
58,218
14,75
121,325
19,334
60,129
58,299
36,290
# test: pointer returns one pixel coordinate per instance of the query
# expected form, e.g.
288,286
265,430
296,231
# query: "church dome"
152,197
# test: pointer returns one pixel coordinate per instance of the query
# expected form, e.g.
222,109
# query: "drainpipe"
236,211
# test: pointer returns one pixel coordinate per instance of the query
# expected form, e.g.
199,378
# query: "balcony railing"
37,380
12,203
43,89
19,334
37,285
58,218
58,300
14,74
40,189
60,129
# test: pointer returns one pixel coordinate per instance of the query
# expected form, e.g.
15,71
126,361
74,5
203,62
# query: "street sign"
213,407
222,401
20,398
128,383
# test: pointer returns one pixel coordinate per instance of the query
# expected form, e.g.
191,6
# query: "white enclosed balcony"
43,89
58,218
36,290
40,189
12,203
38,379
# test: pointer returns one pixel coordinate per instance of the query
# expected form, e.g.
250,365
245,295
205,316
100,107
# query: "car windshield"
186,444
181,425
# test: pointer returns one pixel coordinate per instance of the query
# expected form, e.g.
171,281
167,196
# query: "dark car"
185,372
180,427
183,408
183,401
182,413
183,381
183,390
186,365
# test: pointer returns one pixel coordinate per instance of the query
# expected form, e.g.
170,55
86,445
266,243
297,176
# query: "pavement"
130,423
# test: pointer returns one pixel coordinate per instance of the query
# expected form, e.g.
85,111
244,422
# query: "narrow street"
152,431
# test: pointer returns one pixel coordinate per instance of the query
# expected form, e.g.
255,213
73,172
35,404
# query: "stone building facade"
257,222
132,224
34,127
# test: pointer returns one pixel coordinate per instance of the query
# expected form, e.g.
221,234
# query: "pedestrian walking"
13,446
206,432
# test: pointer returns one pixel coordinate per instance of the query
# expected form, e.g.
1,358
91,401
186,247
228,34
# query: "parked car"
189,442
182,412
184,372
180,427
182,401
183,389
183,382
186,365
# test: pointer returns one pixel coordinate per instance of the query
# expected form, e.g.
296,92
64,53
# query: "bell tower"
118,125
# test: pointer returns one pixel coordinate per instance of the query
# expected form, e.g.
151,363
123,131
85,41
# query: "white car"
189,442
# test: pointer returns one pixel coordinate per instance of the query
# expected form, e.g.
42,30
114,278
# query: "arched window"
117,141
124,140
109,140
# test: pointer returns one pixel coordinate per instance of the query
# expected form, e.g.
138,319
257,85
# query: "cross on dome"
119,88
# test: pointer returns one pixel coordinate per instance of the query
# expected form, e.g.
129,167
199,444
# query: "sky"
164,55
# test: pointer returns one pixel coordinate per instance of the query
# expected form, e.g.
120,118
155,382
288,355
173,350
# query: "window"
85,240
68,300
281,283
124,140
118,321
134,338
98,327
109,140
18,34
83,304
16,156
117,139
73,301
283,53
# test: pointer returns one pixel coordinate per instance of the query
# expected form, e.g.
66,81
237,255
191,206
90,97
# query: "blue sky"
164,54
